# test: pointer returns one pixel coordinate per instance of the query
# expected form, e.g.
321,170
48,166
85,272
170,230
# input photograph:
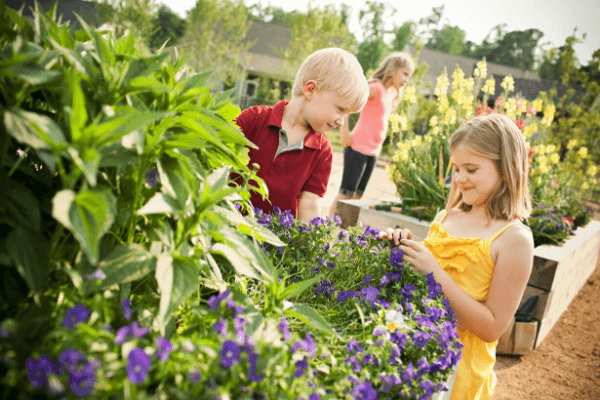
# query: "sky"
555,18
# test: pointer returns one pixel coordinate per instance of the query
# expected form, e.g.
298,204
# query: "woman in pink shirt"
363,145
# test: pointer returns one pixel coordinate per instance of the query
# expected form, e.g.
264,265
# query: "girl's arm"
371,92
345,135
488,320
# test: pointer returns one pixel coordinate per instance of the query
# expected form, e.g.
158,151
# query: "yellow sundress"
469,264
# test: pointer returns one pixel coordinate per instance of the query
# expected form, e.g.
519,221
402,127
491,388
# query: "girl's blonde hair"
497,138
334,70
388,67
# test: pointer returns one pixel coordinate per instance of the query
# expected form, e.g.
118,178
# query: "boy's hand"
395,234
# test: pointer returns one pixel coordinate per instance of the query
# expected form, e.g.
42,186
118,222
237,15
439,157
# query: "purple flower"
367,280
384,281
285,329
409,374
356,365
38,370
163,349
137,331
254,377
301,367
421,338
231,305
126,305
151,177
423,366
97,275
354,347
364,391
307,345
214,301
138,365
221,326
240,334
396,255
389,381
230,353
83,379
378,332
4,333
370,293
428,387
194,377
75,315
315,396
122,334
368,358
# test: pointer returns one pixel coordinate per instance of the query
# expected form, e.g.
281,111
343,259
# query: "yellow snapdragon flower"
555,158
457,78
508,84
550,148
403,123
543,168
585,185
481,69
592,170
433,121
410,95
490,86
583,152
469,84
571,144
548,115
444,103
538,105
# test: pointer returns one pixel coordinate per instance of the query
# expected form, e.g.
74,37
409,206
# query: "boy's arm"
309,207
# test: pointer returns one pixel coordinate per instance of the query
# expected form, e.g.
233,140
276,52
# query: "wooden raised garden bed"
559,272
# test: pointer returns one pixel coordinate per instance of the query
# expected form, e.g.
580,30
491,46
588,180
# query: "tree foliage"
449,39
129,16
214,35
166,26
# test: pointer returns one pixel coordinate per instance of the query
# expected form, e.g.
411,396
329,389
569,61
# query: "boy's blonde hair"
388,67
334,70
497,138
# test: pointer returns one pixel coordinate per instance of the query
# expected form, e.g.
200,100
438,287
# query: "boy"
294,155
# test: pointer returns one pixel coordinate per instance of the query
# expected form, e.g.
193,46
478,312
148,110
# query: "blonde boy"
294,155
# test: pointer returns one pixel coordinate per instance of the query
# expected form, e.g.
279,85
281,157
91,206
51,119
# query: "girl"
363,145
478,249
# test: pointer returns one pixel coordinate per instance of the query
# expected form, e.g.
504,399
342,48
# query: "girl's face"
476,176
401,77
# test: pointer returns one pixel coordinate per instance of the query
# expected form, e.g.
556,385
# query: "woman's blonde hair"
388,67
334,70
497,138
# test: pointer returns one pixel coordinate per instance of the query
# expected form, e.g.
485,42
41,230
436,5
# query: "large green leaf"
20,206
241,264
88,162
177,280
88,215
249,226
28,251
297,288
103,49
308,315
33,74
197,81
126,263
160,203
173,182
141,67
77,112
124,122
32,129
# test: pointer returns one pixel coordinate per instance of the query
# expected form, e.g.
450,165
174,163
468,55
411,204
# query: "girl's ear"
310,88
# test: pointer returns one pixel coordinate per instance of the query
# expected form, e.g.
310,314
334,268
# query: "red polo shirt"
291,172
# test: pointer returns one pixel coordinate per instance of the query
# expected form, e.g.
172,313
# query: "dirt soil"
566,365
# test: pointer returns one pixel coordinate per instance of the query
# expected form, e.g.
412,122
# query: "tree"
129,15
318,28
403,35
449,39
516,49
372,20
166,26
214,34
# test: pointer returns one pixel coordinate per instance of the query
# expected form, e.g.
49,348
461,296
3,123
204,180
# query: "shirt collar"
312,139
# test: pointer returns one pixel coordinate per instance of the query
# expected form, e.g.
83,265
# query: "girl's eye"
471,170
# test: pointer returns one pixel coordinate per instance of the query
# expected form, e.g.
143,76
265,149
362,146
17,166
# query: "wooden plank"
387,219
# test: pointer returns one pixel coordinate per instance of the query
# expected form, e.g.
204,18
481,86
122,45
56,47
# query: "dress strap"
501,230
444,217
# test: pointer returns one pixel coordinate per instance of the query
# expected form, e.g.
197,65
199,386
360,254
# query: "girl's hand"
395,234
345,137
418,256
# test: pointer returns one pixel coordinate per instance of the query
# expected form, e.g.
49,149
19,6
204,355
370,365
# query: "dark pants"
358,168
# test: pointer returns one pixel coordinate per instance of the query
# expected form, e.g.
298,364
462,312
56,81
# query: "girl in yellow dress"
478,249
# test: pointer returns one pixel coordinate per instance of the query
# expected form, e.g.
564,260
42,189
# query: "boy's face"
325,109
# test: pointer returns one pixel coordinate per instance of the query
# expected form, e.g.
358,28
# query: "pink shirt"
369,132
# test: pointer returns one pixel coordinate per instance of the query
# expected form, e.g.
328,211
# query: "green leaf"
197,81
88,162
77,113
177,280
297,288
28,251
249,226
123,123
229,112
88,215
103,49
308,315
21,206
33,74
173,182
35,130
241,264
160,203
126,263
141,67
